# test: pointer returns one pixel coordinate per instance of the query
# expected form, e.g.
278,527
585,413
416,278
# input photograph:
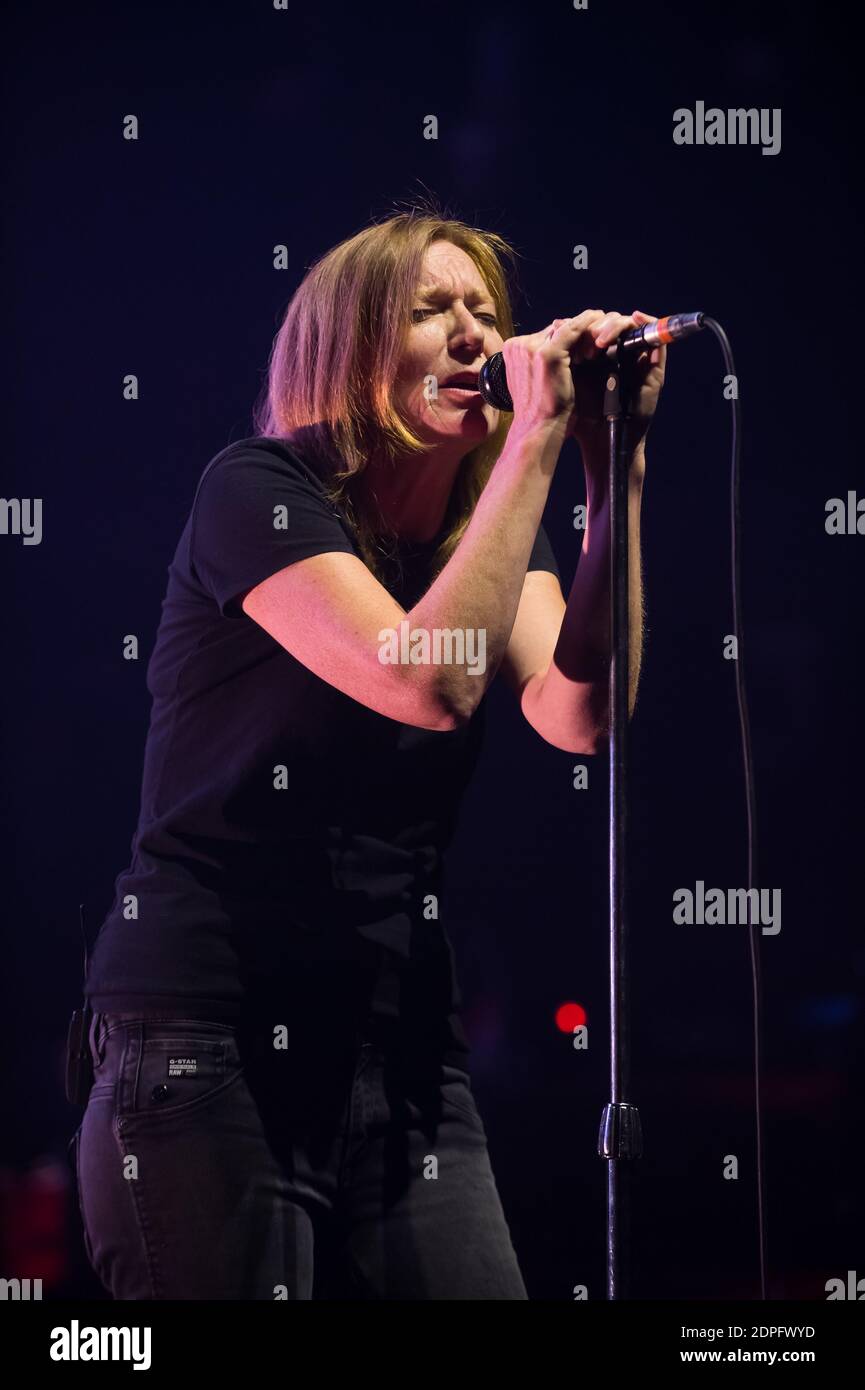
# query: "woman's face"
453,332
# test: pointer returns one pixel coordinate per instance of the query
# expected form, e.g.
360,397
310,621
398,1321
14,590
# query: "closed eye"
418,315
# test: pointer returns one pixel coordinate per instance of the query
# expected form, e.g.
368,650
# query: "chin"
472,425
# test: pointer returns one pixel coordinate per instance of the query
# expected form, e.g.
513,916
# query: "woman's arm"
330,612
559,655
565,697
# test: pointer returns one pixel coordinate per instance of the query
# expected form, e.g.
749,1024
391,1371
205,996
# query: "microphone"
493,381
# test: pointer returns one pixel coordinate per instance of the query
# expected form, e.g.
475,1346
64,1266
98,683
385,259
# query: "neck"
412,493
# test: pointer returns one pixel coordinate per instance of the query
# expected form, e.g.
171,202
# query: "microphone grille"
493,383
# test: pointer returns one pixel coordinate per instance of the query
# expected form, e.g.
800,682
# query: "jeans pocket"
169,1071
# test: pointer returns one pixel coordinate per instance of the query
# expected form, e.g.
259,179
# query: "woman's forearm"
569,705
480,587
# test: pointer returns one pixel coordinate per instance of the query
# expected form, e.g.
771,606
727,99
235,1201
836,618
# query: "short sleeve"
257,511
542,557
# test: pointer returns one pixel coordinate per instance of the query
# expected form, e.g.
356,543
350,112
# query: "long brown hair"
334,360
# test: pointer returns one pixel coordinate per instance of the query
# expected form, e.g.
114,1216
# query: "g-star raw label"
182,1066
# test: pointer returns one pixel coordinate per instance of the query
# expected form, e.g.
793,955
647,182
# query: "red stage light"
569,1017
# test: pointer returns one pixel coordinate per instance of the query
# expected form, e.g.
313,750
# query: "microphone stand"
620,1136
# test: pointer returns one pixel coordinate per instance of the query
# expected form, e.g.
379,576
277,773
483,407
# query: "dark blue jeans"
212,1166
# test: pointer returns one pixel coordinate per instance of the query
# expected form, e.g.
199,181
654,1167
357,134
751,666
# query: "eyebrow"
439,292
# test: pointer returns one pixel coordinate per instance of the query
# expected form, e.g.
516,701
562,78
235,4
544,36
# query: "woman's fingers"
576,335
658,354
604,327
613,327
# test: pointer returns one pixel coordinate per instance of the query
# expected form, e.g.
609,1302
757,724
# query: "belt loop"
98,1033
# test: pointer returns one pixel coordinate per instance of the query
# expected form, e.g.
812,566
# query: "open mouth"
465,382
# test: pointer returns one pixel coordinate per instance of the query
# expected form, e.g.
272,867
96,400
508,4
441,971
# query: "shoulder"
266,457
262,472
264,482
259,507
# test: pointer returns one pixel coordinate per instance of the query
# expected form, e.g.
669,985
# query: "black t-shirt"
288,853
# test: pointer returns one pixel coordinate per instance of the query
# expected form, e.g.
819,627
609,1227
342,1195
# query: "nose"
468,331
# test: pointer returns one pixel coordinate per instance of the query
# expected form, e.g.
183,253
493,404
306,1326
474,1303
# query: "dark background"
259,127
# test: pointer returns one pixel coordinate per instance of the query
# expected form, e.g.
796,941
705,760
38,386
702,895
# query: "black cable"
748,765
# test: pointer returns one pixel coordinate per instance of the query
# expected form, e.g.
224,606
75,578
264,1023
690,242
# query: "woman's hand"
542,386
539,373
646,377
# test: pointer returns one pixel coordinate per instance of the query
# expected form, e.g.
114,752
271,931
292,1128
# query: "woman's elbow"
589,743
438,706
